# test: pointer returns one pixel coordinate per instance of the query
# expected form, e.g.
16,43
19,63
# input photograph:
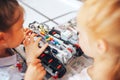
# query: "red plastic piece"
51,60
59,66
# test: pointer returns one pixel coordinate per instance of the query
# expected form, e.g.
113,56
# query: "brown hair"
7,12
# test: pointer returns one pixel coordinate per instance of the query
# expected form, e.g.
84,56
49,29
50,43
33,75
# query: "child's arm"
35,71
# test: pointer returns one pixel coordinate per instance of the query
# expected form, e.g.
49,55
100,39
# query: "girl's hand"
27,31
31,46
35,71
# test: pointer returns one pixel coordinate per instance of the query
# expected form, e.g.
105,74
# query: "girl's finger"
26,40
36,61
38,40
32,37
43,48
28,31
39,66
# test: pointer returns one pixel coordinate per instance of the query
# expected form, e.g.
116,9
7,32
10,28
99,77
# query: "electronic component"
63,45
52,65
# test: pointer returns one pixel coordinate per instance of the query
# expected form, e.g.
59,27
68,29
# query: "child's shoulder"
83,75
12,67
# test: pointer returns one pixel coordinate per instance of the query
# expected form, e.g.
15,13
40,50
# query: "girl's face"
15,35
86,41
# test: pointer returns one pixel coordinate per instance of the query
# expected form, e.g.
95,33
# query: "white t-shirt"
8,69
82,76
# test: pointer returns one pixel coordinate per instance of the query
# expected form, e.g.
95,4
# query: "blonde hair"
102,19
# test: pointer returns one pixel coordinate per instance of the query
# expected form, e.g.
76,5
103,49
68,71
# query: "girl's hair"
102,20
7,13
